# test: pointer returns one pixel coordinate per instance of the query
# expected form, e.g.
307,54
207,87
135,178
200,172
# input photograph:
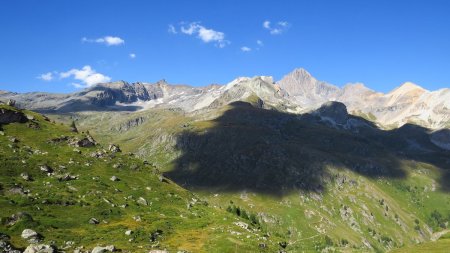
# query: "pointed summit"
407,87
300,72
307,89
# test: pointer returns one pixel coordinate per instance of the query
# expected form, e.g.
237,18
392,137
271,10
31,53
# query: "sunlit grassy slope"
352,212
60,209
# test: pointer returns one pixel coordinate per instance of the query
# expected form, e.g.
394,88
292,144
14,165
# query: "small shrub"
328,241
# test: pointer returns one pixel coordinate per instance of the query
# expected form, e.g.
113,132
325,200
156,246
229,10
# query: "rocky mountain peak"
301,72
408,87
113,85
306,89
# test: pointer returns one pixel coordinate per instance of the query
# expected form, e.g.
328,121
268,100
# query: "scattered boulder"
114,148
45,168
11,102
87,141
13,139
11,221
128,232
25,176
142,201
158,251
31,236
40,248
155,235
93,221
4,237
98,154
5,245
66,177
114,178
17,189
59,139
109,248
10,116
34,125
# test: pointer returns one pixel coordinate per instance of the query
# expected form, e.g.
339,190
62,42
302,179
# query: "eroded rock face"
11,116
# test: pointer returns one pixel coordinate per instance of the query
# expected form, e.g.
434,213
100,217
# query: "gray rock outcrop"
10,116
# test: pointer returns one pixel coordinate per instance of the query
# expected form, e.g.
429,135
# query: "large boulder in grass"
109,248
40,248
31,236
11,116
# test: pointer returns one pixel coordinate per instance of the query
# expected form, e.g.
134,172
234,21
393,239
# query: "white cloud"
279,27
260,43
208,35
86,75
132,55
191,29
205,34
245,49
46,77
107,40
172,29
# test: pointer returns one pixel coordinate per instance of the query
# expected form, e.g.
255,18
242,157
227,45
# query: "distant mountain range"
297,92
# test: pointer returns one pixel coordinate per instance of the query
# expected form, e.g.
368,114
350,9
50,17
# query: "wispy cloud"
46,76
245,49
132,55
277,28
107,40
172,29
259,43
86,75
207,35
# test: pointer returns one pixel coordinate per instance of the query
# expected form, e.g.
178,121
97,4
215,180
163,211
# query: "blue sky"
379,43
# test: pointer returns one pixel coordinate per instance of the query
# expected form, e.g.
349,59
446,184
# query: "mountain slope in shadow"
267,151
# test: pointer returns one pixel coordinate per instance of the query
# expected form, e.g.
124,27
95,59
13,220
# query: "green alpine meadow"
196,126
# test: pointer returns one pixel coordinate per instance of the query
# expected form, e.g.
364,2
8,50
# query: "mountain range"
297,92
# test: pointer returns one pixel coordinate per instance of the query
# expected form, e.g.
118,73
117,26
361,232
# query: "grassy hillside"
322,188
440,246
78,186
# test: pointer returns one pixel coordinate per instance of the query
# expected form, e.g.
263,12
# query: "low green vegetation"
402,205
83,196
